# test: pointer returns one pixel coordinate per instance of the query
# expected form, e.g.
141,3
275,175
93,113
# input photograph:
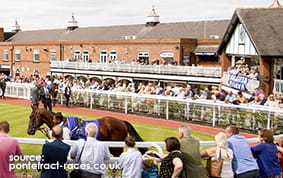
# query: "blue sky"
54,14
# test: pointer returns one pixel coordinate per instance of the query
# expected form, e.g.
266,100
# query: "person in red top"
9,147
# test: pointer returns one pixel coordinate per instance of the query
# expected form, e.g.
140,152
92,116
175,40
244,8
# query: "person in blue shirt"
150,167
266,155
230,97
244,165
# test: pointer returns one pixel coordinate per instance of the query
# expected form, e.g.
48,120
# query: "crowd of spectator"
149,88
182,160
244,70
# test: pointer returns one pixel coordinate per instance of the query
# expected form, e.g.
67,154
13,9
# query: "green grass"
18,117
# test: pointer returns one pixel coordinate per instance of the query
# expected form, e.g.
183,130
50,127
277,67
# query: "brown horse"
54,91
111,129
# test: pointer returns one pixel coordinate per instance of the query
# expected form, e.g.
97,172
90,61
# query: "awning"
205,50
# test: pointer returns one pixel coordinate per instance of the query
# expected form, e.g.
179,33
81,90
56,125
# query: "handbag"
214,167
76,173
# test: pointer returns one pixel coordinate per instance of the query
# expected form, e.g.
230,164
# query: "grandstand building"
252,37
182,43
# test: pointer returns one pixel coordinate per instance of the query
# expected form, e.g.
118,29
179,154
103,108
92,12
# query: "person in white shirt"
93,153
131,161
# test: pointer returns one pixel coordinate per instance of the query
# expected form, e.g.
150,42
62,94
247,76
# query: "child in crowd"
150,168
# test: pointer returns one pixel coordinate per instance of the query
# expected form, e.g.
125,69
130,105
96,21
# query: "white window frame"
143,54
85,56
103,57
17,55
113,55
52,55
35,55
6,55
77,55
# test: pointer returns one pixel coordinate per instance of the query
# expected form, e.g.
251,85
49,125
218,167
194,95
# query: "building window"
113,56
77,55
207,58
85,56
242,34
5,55
17,55
52,55
143,58
167,58
103,57
36,56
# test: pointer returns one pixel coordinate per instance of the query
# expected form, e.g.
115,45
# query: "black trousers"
47,103
67,100
3,92
85,174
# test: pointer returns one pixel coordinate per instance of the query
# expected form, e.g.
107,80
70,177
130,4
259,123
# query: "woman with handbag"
220,163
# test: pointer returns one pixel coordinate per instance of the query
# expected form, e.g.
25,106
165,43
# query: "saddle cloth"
77,127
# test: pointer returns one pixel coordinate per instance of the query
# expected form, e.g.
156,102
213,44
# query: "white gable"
240,43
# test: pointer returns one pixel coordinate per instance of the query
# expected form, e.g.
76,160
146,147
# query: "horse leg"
116,151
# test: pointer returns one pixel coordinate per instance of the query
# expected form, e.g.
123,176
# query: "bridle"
35,127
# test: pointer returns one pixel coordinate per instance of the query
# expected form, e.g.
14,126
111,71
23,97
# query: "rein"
44,132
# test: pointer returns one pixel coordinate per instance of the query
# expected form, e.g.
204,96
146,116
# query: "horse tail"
132,131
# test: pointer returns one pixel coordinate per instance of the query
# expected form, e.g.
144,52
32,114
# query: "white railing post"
214,116
167,110
188,110
126,105
91,102
268,121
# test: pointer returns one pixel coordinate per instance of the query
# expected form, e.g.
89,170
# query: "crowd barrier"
160,146
205,112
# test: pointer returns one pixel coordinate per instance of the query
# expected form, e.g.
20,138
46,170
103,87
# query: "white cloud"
37,14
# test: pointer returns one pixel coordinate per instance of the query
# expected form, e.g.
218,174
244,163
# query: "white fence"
137,68
250,117
113,160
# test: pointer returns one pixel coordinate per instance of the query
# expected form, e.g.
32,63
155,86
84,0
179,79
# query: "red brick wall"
126,50
266,75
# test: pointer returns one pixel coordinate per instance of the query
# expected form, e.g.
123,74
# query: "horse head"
33,122
54,90
39,117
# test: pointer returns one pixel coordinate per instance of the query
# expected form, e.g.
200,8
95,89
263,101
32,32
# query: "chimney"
1,34
152,19
16,27
72,24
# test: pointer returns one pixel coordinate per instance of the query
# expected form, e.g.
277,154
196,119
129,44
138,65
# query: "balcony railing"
198,71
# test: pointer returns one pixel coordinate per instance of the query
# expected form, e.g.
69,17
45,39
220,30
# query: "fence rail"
206,112
112,161
137,68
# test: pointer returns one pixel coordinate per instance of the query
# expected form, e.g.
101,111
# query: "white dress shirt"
93,155
131,163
